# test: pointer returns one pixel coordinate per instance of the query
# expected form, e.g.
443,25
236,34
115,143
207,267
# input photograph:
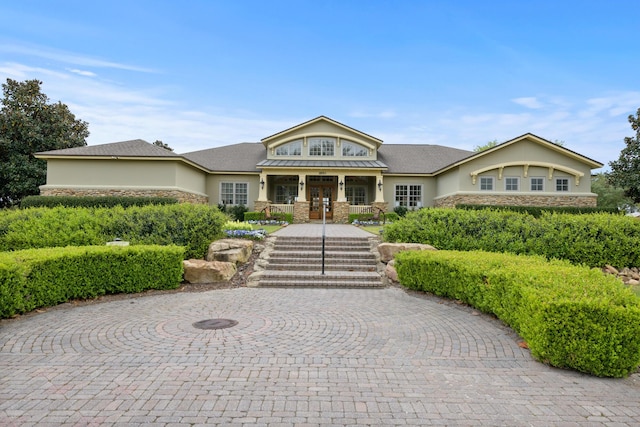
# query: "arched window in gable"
293,148
351,149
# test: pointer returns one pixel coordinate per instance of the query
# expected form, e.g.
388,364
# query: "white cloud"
529,102
83,72
385,114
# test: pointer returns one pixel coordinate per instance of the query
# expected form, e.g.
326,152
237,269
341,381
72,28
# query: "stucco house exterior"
324,161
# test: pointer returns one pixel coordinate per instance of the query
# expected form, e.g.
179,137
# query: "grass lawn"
373,229
268,228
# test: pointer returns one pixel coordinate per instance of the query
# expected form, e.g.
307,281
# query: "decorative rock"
253,280
390,272
201,271
236,251
389,250
633,282
610,269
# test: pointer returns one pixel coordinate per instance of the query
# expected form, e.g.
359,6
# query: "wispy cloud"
82,72
66,57
385,114
529,102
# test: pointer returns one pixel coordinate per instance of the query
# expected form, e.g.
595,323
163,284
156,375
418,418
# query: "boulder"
389,250
236,251
201,271
390,272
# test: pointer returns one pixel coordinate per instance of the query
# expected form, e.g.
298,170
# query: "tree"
162,145
29,124
609,196
625,172
490,144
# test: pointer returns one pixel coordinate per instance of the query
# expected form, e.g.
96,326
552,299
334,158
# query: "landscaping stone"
236,251
201,271
389,250
390,272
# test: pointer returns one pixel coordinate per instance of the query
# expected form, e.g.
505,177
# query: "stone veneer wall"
300,212
258,205
380,205
516,200
341,212
181,196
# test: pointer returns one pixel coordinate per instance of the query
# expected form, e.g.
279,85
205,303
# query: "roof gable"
593,164
324,126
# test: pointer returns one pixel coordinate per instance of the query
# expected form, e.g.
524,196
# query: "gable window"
537,184
486,183
322,147
293,148
562,184
511,184
234,193
409,196
351,149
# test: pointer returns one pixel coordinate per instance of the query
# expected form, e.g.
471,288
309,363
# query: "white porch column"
379,189
341,188
302,188
262,189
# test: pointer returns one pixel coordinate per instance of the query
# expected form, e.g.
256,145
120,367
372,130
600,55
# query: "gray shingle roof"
241,157
133,148
419,159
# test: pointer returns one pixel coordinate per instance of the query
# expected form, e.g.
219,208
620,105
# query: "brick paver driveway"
296,357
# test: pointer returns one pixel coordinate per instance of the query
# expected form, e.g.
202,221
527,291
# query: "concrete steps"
297,262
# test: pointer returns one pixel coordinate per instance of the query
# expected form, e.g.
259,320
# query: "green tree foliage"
29,123
161,144
490,144
609,196
625,172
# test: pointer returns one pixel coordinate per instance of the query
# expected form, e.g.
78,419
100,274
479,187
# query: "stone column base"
300,212
341,212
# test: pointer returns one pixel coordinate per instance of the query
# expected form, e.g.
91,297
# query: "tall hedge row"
593,239
570,316
92,201
43,277
191,226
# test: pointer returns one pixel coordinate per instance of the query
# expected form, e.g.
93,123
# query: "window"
322,146
293,148
286,194
537,184
511,184
234,193
409,196
356,195
351,149
486,183
562,184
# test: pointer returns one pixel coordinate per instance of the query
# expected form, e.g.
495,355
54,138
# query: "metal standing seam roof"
358,164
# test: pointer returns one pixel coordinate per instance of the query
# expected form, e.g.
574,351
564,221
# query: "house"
322,161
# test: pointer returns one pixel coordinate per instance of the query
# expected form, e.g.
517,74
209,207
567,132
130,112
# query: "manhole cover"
215,324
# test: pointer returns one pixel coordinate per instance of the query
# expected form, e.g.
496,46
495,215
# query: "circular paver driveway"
296,357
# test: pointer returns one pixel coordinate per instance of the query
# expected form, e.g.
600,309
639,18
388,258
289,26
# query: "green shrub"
594,239
92,201
253,216
43,277
237,212
235,225
400,211
537,211
191,226
570,316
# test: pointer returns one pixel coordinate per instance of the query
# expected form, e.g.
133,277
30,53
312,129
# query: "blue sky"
200,74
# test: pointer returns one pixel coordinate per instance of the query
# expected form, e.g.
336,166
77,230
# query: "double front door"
321,195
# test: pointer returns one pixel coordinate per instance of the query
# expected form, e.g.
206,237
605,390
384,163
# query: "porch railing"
359,209
283,208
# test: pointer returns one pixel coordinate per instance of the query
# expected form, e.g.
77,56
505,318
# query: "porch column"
262,189
379,189
302,188
341,188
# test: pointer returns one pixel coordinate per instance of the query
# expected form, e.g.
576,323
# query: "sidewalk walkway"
315,230
297,357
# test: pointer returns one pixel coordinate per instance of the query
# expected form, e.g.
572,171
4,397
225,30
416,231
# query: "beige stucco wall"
121,176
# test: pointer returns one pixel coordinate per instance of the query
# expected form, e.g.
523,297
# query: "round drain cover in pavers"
215,324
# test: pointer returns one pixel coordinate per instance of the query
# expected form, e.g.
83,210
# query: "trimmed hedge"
538,210
36,278
92,201
570,316
594,239
191,226
260,216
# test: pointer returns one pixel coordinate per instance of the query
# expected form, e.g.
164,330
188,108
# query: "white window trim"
568,184
234,192
419,203
507,178
490,178
541,178
321,139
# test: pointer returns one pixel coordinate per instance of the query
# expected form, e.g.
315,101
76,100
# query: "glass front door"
319,196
